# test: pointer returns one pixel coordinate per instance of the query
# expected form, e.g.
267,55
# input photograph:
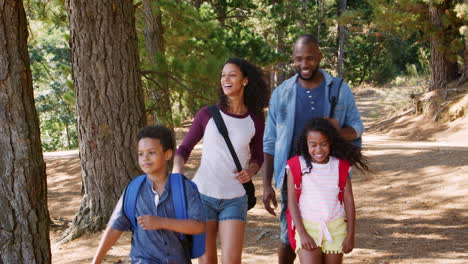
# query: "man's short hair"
307,39
164,134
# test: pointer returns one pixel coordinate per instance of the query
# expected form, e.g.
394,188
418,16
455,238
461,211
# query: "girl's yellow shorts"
337,229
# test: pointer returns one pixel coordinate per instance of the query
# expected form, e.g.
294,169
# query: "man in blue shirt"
298,99
156,237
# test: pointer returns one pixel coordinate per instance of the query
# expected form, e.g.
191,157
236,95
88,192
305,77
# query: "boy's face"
151,156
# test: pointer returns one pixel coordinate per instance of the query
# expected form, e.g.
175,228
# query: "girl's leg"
211,255
333,258
314,256
231,233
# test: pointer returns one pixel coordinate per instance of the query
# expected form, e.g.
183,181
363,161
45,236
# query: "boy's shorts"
337,230
225,209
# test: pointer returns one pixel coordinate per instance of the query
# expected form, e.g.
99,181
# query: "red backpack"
295,166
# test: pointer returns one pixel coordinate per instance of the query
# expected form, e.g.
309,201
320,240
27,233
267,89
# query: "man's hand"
268,197
334,123
150,222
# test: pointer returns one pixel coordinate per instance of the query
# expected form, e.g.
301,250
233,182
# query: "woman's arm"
307,242
350,210
108,239
179,163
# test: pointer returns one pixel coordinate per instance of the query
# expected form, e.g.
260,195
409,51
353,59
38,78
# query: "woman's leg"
211,254
333,258
231,233
314,256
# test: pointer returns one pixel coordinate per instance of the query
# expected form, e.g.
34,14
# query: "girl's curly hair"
339,147
256,92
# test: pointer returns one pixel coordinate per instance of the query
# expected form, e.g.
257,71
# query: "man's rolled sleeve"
269,137
353,117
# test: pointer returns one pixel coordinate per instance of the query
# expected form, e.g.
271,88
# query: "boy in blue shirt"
156,237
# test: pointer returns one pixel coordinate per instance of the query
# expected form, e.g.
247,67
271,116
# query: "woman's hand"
244,176
348,244
307,242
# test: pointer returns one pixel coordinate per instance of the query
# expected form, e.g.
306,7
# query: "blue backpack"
176,180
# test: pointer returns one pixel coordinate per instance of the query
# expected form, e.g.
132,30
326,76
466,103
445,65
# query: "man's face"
306,59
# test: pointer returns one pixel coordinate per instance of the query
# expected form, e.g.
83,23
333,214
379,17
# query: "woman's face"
232,80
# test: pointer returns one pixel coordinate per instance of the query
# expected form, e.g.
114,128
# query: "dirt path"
410,209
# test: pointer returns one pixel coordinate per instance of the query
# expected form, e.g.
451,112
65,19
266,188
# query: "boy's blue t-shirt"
309,104
157,246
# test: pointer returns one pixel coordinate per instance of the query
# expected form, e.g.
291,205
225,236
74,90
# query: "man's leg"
285,253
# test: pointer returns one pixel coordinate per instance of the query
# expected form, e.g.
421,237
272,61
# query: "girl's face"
319,147
232,80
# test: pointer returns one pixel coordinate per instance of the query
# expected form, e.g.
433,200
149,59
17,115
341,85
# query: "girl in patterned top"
324,227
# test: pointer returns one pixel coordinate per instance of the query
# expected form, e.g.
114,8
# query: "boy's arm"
185,226
350,211
108,239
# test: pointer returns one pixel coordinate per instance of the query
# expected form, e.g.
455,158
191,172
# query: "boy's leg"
314,256
286,254
211,255
231,233
333,258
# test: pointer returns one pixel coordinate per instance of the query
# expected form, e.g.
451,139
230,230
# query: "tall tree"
24,218
154,40
443,66
110,104
341,40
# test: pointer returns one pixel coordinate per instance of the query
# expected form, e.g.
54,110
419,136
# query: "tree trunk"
154,39
24,218
110,105
443,70
341,40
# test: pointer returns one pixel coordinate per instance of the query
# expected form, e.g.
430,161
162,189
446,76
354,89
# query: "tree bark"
24,218
443,69
341,40
154,39
110,105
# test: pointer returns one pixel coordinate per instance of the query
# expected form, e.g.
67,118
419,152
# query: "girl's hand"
307,242
244,176
348,244
150,222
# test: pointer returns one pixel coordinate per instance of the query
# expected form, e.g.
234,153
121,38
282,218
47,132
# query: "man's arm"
268,192
108,239
347,132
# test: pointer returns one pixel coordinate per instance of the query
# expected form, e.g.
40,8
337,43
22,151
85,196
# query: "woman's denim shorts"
225,209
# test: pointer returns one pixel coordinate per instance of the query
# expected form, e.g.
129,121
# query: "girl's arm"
108,239
348,243
185,226
307,242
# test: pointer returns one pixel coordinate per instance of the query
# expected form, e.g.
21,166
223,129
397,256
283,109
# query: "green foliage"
51,71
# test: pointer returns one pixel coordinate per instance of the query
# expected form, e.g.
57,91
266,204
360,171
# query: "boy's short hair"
164,134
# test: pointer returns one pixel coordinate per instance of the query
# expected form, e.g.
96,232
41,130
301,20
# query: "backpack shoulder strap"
179,199
343,169
334,94
178,195
296,171
130,199
218,119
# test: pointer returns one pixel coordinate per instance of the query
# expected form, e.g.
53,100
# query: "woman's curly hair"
256,92
339,147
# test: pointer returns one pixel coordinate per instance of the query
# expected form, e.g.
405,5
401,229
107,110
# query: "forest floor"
412,207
